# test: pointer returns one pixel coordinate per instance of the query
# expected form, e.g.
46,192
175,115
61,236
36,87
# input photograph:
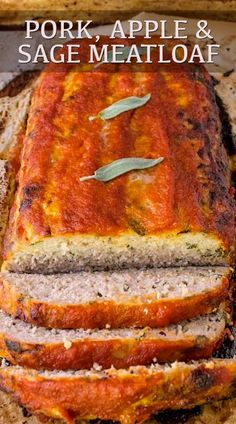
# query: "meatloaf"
104,299
127,396
42,348
176,213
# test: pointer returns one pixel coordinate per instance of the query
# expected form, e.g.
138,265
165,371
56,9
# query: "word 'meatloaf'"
179,54
179,212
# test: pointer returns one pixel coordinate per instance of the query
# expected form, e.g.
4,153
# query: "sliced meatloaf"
129,396
138,298
38,347
218,412
176,213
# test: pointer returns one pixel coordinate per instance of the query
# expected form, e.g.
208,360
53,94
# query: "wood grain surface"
14,12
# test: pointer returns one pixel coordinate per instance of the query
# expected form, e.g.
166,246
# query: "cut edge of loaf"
42,348
128,396
80,252
139,298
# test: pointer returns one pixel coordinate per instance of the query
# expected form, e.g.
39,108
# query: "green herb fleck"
136,226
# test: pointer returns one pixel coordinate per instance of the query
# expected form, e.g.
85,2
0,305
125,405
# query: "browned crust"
219,412
120,353
127,397
198,198
157,313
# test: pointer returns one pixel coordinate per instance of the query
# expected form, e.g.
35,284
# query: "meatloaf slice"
129,396
177,213
138,298
40,348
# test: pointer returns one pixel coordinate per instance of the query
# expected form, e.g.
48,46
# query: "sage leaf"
125,51
121,106
121,166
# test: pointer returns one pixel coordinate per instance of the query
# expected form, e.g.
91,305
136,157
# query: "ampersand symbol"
202,32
